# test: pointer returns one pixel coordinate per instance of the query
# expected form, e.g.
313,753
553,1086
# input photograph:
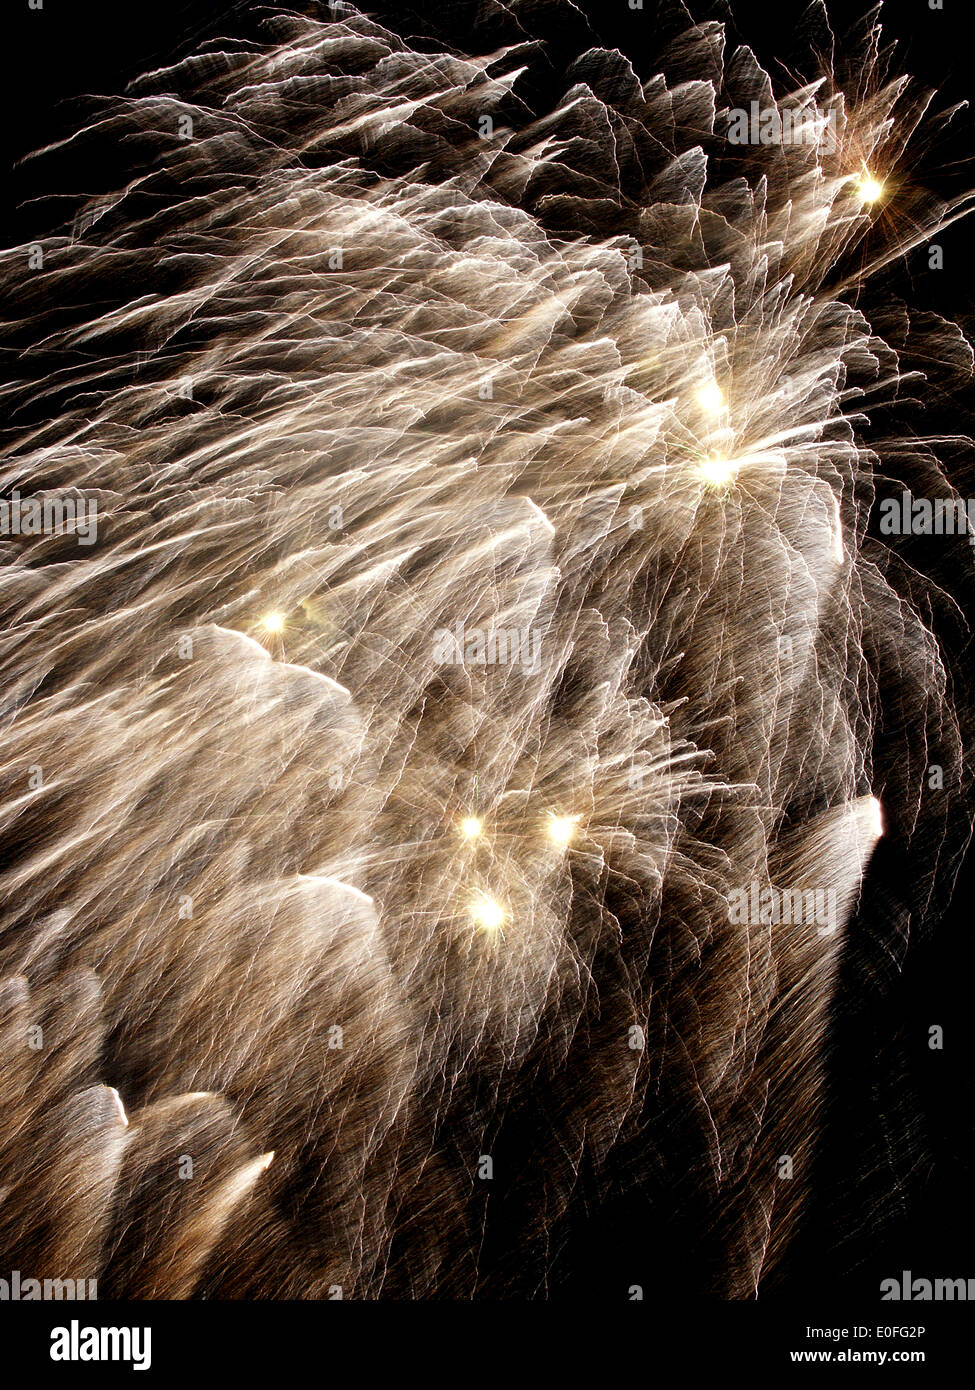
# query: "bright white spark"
119,1106
710,397
870,190
561,830
718,472
486,913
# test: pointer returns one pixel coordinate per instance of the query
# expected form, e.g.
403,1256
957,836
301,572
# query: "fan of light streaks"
352,373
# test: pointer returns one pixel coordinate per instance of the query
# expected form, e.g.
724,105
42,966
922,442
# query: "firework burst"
483,595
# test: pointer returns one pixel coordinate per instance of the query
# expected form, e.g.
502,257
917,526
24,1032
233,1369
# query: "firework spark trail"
349,376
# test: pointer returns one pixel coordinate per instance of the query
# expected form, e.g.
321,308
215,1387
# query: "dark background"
887,1087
